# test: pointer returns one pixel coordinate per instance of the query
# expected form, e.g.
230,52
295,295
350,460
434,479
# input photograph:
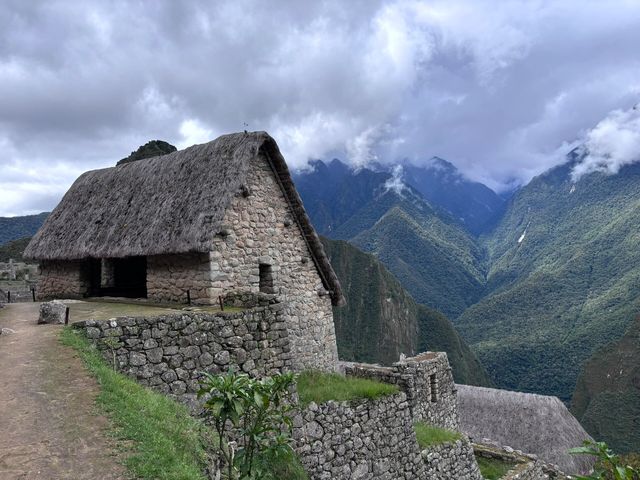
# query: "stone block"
53,312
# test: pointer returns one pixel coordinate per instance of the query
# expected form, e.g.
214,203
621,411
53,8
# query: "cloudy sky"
500,88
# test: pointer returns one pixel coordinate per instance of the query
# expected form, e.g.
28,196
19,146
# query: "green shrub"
252,419
428,435
320,387
609,466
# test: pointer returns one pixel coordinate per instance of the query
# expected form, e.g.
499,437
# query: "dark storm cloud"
502,89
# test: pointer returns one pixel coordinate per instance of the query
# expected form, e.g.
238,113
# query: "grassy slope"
568,288
607,396
428,435
321,387
162,440
381,320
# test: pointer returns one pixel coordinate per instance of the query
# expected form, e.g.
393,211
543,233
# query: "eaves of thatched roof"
537,424
174,203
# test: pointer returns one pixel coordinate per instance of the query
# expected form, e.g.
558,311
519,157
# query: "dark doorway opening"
120,277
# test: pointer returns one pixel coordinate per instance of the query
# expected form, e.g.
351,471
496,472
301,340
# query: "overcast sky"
502,89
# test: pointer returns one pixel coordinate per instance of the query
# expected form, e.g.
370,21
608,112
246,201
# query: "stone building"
193,226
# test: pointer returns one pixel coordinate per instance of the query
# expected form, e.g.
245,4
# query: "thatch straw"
169,204
536,424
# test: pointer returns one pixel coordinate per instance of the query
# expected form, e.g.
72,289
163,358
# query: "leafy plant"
608,466
252,419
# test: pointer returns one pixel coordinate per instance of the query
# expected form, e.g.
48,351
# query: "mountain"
13,249
472,203
381,320
435,258
13,228
563,281
607,396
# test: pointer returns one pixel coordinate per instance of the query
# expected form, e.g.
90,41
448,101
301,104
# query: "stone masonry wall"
167,352
451,460
359,440
170,276
375,440
62,279
427,381
525,466
259,228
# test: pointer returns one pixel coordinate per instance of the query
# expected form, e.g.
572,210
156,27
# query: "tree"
609,465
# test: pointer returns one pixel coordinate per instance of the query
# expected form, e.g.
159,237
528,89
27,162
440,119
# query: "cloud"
611,144
497,88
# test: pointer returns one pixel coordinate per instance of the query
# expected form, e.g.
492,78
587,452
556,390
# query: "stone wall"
427,381
167,352
451,460
359,440
375,440
525,466
170,276
259,228
63,279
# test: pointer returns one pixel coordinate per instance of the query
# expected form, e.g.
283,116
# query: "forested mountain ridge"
564,279
14,228
435,258
381,320
607,396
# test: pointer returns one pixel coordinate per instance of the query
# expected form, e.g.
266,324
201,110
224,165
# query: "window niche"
433,384
266,279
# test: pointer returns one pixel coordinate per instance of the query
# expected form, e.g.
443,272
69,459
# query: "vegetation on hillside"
320,387
564,279
154,148
14,228
381,320
607,396
13,250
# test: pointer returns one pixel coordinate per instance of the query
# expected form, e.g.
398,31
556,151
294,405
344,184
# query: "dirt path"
48,423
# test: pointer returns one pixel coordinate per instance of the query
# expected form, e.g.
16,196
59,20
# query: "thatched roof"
168,204
536,424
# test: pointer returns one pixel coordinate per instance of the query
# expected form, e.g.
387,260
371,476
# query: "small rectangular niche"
266,278
433,384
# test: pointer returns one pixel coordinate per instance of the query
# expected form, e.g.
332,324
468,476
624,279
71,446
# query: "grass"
429,435
321,387
162,440
492,468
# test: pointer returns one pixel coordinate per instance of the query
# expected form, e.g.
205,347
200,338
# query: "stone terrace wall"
414,376
359,440
167,352
526,467
375,440
62,279
451,460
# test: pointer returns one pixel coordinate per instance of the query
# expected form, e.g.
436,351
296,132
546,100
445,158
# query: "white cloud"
611,144
497,88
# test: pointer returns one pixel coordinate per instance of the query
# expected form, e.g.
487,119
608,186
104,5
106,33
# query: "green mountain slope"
13,228
564,279
607,396
13,250
434,259
381,320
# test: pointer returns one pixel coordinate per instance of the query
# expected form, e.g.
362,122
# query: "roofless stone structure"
198,224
